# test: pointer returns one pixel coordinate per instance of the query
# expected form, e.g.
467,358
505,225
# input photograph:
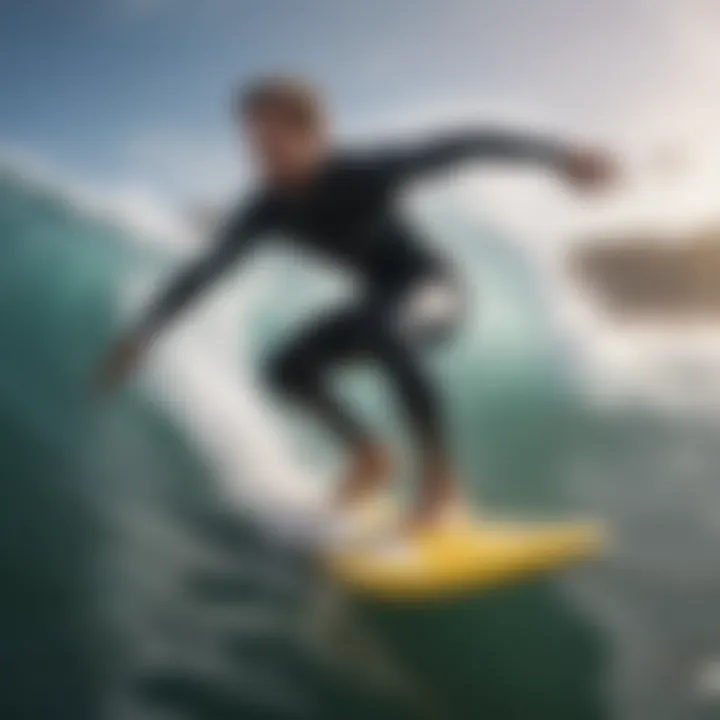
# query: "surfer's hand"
119,362
589,169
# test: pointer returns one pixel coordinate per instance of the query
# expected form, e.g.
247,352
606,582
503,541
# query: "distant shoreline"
642,279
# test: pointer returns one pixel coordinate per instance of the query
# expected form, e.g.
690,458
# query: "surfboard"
463,557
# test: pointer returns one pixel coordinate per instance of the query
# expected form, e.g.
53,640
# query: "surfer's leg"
388,331
301,371
421,402
425,315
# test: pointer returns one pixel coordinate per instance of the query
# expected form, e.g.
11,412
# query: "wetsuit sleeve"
482,145
233,240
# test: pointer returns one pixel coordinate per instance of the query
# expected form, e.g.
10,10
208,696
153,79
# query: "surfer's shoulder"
251,214
356,165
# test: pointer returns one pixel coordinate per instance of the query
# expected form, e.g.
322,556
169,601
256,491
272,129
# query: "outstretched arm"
577,164
234,240
187,285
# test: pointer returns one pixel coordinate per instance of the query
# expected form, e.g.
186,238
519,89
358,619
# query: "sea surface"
148,570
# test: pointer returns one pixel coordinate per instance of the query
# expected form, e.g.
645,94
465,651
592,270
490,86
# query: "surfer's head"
286,124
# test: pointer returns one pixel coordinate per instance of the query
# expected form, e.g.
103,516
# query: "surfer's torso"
348,215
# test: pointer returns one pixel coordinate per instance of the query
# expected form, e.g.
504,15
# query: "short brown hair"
292,98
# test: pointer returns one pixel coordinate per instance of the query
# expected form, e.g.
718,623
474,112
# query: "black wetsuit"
348,214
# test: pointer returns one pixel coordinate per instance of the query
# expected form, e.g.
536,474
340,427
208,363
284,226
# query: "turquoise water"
132,588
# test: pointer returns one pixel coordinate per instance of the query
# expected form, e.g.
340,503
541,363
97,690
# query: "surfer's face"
287,149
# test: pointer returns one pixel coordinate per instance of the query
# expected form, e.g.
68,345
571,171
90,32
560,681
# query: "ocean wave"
142,521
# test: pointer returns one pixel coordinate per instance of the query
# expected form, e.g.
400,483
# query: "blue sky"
139,89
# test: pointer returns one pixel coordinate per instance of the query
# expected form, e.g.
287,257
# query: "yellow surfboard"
463,557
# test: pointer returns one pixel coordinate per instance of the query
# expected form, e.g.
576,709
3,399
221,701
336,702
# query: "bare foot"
369,475
440,499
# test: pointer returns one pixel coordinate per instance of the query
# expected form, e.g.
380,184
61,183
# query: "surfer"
341,205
